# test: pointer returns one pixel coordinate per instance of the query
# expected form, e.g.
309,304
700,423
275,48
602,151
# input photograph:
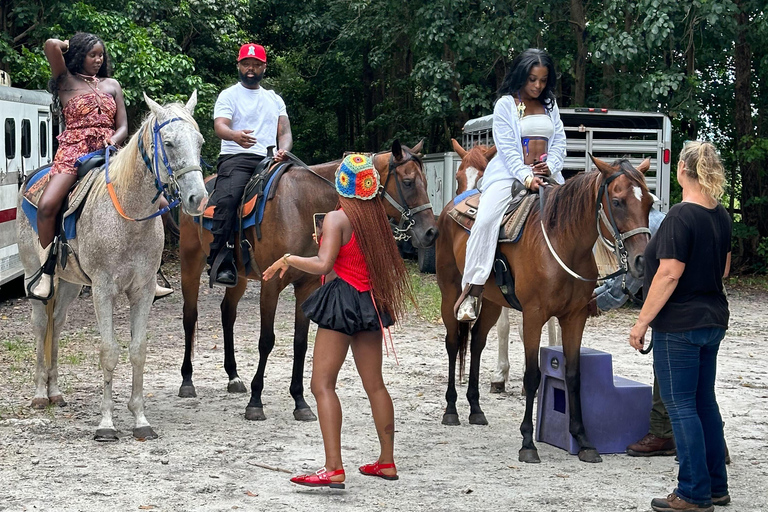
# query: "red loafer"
320,478
374,469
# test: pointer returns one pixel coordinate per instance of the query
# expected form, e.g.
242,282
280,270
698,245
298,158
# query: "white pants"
481,246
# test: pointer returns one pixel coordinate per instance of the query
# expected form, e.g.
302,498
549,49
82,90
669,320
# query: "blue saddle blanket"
30,210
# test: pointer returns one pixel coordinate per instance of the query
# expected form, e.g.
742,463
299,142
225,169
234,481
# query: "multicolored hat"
357,177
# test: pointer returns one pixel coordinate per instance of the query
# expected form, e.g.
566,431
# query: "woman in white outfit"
530,144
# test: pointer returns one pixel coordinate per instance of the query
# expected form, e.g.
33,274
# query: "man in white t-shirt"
248,119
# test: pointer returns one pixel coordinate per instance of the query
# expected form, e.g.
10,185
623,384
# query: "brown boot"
651,446
674,502
467,308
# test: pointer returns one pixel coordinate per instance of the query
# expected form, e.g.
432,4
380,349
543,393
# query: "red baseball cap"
252,51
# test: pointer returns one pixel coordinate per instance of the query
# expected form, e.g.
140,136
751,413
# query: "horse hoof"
187,391
57,400
305,414
497,387
477,418
236,386
144,433
531,456
39,403
255,414
105,435
589,455
451,419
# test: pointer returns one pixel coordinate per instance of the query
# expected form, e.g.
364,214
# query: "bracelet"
285,259
528,181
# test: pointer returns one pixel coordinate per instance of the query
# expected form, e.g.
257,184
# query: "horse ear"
644,165
153,105
458,149
397,150
603,167
190,106
490,152
416,150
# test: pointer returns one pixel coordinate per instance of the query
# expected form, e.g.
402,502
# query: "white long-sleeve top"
509,161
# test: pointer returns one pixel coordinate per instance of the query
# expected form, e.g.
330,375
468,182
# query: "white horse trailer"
27,145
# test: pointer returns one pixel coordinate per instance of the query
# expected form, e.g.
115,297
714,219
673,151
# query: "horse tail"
463,342
49,327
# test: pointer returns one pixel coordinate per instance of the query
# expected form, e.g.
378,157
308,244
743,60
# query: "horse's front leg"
573,329
103,304
270,292
228,316
488,316
141,302
532,324
302,412
454,333
192,264
501,376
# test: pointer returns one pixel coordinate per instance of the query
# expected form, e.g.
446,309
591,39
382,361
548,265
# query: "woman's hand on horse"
536,182
244,138
637,336
272,270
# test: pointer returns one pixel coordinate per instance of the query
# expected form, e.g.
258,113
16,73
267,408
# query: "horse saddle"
88,168
465,205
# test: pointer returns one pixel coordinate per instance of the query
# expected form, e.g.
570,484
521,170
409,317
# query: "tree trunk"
579,25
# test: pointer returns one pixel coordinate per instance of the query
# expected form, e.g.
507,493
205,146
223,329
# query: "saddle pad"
512,225
465,211
35,187
252,193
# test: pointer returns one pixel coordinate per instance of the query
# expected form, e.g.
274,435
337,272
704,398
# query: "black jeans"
234,172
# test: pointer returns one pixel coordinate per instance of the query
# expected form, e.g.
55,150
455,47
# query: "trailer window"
26,138
10,139
43,139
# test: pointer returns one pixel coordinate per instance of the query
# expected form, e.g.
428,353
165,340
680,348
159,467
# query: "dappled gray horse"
118,255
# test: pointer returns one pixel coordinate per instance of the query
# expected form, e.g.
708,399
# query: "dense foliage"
356,74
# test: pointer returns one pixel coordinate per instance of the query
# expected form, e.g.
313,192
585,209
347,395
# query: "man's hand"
244,138
280,156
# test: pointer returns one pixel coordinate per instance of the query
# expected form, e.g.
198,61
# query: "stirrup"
467,307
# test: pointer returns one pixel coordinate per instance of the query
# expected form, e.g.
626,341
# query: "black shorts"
338,306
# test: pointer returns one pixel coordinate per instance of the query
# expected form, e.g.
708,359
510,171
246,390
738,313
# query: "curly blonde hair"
702,163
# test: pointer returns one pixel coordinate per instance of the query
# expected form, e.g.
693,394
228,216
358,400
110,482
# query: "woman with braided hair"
93,109
368,295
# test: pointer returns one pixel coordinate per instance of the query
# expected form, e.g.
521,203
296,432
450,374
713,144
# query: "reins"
168,190
406,221
608,220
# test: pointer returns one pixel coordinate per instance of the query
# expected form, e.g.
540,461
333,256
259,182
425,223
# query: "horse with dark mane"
287,228
554,273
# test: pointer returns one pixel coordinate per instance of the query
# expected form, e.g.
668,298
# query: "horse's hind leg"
573,329
501,376
302,412
228,316
141,302
270,292
532,324
488,316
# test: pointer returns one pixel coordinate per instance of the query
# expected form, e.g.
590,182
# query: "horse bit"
406,221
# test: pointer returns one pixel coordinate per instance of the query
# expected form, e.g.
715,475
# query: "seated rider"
248,119
94,114
530,144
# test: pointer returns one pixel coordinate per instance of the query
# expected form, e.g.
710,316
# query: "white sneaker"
43,286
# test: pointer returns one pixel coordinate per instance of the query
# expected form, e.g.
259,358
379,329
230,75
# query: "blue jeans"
686,365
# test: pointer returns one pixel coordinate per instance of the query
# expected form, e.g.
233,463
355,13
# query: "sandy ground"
208,457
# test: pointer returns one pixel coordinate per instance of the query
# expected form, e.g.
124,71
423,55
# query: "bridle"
168,190
407,213
608,220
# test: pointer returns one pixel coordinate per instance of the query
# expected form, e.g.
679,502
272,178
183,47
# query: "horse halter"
406,221
618,248
169,190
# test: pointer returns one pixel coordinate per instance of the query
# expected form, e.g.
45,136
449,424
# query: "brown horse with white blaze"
287,227
554,272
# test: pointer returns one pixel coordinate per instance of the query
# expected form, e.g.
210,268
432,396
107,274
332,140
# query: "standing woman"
353,309
688,310
94,113
530,145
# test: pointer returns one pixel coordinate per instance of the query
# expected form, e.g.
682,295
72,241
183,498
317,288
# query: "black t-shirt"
701,238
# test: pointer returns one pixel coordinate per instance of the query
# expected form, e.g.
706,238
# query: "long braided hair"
79,46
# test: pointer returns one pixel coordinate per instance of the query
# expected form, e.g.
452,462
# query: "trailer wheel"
426,260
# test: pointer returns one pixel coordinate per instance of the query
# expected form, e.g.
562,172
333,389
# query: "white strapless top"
537,125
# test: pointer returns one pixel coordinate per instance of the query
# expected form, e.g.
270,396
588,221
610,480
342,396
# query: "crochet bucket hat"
357,177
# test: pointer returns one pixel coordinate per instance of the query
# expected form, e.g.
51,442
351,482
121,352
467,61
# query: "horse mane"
577,196
475,157
123,172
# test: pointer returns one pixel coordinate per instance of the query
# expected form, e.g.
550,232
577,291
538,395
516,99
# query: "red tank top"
350,265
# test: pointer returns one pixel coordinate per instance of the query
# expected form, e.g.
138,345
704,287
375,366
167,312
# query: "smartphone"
318,217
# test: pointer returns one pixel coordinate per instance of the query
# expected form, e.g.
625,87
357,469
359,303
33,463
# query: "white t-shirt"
250,109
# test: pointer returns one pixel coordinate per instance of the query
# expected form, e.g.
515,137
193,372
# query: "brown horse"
287,228
473,164
543,286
